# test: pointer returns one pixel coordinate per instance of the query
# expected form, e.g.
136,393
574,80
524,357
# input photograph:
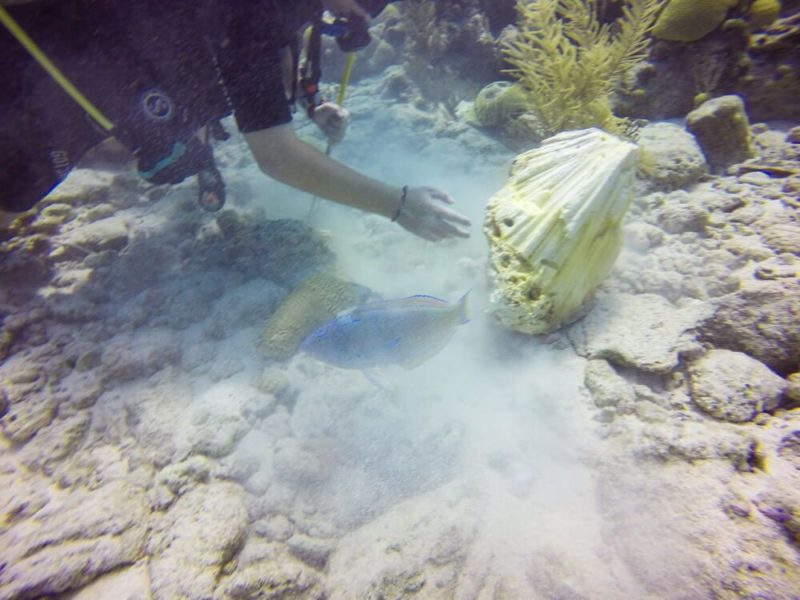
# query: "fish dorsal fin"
418,301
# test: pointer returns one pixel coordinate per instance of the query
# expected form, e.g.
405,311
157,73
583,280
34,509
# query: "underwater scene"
453,299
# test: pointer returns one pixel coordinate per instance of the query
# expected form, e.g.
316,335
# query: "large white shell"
554,228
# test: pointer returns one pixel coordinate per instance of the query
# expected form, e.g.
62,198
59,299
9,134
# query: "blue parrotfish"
405,331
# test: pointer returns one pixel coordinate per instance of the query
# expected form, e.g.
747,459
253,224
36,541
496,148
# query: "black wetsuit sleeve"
253,80
249,38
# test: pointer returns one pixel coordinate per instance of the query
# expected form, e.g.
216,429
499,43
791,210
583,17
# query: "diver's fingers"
456,232
448,230
445,212
440,195
451,215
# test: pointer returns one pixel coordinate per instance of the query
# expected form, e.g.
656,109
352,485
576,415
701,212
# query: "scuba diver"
158,76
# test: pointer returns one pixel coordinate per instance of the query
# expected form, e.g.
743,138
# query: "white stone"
670,156
644,331
732,386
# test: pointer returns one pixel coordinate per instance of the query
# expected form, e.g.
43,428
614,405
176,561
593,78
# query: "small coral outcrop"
690,20
722,129
318,298
763,12
499,102
554,228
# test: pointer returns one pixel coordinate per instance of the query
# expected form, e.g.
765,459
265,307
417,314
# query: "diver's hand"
426,213
332,119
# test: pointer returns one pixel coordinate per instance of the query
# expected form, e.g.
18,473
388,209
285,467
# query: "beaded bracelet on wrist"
402,203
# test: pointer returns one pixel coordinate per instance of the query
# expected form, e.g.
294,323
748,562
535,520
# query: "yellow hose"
40,57
348,66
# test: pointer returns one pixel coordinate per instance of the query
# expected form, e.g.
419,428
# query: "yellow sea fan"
568,61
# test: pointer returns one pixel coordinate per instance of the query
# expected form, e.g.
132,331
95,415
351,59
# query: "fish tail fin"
461,309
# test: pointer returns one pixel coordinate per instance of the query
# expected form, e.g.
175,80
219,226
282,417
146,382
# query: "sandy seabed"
150,451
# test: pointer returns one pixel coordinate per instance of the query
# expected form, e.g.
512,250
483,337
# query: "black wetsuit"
158,70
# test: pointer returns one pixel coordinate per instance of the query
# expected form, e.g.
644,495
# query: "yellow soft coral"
568,61
763,13
690,20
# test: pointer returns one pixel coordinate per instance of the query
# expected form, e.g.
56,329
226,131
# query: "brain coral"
316,299
690,20
499,102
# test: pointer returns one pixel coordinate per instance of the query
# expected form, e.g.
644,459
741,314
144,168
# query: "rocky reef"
150,449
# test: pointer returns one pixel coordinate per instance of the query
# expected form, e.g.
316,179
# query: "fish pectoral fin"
393,342
373,379
421,354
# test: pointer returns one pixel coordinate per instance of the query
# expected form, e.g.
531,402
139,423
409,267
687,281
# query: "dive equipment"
155,163
40,57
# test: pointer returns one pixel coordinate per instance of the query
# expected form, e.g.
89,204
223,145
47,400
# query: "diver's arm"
281,155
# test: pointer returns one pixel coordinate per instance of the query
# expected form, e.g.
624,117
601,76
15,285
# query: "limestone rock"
296,464
277,528
682,212
105,234
213,426
283,251
670,157
81,187
246,306
783,266
152,415
793,389
606,386
180,477
789,448
642,236
129,357
762,319
269,572
99,212
257,406
733,386
643,331
77,391
56,441
276,383
312,551
783,237
216,434
199,534
22,420
410,550
130,583
146,261
722,130
771,83
70,538
686,441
